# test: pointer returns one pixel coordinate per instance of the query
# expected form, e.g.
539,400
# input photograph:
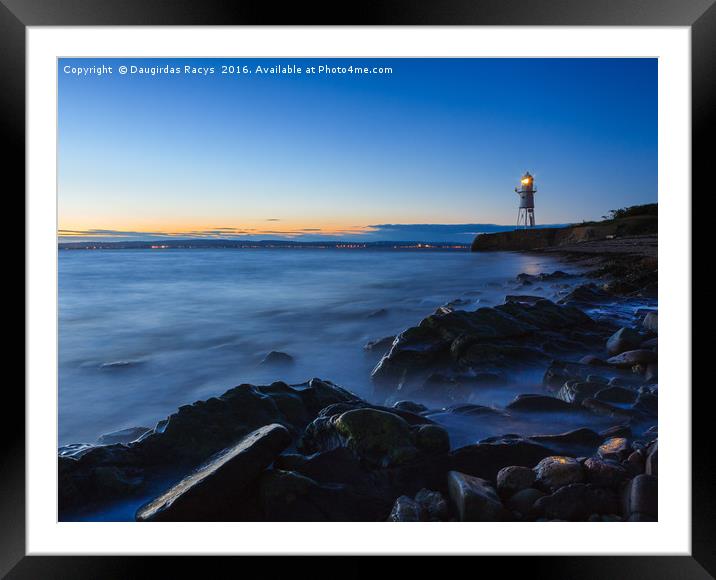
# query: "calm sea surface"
144,331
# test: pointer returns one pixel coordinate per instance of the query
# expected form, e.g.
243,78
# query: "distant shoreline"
260,244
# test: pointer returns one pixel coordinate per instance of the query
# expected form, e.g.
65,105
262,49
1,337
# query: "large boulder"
494,340
486,459
538,403
514,478
557,471
576,502
475,500
214,492
622,340
631,358
641,498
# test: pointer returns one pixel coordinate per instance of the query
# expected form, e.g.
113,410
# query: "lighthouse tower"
526,191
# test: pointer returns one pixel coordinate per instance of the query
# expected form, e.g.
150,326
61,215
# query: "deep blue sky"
438,141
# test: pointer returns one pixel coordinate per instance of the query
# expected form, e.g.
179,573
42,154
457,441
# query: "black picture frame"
17,15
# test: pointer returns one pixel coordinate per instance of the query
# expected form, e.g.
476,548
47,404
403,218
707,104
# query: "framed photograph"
334,284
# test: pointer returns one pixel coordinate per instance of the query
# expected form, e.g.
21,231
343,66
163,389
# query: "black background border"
16,15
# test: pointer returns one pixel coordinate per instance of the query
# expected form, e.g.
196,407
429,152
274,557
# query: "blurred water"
144,331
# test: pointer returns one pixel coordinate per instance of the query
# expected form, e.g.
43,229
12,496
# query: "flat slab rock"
210,492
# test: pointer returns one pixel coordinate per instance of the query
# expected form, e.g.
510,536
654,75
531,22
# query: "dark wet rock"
651,321
631,358
574,392
523,298
277,358
380,344
652,460
523,501
597,379
428,506
475,500
288,496
606,409
432,439
538,403
616,448
651,373
576,502
214,491
405,509
74,450
587,294
123,435
410,406
290,461
647,404
616,395
514,478
591,359
622,340
557,471
641,496
634,464
606,473
651,344
189,437
488,340
434,505
617,431
486,459
571,442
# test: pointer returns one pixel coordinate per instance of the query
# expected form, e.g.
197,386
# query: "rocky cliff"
541,238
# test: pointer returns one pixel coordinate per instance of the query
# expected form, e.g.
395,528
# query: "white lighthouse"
526,191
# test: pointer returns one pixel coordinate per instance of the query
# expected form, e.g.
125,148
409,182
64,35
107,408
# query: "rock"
380,344
576,502
538,403
647,404
475,500
617,431
574,392
277,358
410,406
606,473
607,409
652,460
523,501
523,298
378,437
123,435
434,505
634,464
571,442
651,321
641,496
599,379
616,448
405,509
616,395
432,439
651,344
633,357
622,340
488,340
287,496
214,491
485,460
514,478
474,410
557,471
587,294
592,359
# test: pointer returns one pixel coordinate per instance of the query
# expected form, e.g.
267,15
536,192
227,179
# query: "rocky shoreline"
317,452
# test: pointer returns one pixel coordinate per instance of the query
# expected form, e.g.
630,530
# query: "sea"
144,331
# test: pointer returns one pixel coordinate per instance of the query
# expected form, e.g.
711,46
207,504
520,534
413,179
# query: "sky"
430,151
